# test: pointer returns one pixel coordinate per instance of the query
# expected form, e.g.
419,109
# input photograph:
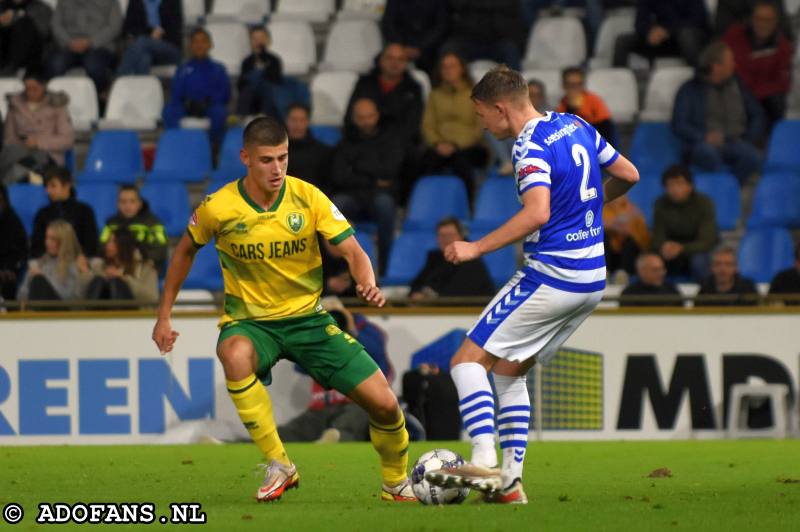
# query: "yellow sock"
391,442
255,410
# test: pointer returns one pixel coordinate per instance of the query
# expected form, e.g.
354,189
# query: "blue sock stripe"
506,432
476,419
475,395
514,443
481,430
515,408
513,419
478,406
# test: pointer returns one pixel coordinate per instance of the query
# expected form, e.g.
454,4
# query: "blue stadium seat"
205,273
114,156
435,197
216,184
182,155
102,197
654,147
497,202
26,200
368,245
170,202
776,202
765,252
408,255
644,195
501,263
782,152
330,135
229,165
723,189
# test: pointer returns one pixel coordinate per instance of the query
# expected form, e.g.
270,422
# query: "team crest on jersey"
240,228
332,330
295,221
589,218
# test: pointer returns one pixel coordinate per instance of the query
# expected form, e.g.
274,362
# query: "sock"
476,404
391,442
513,423
255,410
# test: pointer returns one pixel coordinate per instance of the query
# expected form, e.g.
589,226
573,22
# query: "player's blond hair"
68,246
501,83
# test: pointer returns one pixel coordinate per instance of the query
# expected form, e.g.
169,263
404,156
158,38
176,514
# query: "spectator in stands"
61,271
365,172
309,159
64,206
85,31
763,57
626,236
684,225
419,25
725,287
13,247
37,132
200,88
134,215
24,30
123,273
336,277
440,278
450,128
787,282
154,29
486,30
537,92
675,28
261,71
731,12
651,282
587,105
717,118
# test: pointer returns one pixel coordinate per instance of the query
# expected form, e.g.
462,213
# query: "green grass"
719,485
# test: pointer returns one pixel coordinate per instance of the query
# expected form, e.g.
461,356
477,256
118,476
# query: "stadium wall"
97,378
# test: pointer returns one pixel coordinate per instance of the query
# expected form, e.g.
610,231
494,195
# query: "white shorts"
527,318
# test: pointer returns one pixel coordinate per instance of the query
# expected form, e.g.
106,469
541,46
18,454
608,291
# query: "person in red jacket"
763,57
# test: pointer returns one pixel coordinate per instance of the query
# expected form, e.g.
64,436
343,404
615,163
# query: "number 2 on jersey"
581,158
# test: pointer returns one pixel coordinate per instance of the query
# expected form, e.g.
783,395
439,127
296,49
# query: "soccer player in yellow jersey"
265,226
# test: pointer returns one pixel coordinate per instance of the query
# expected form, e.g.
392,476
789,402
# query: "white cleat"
472,476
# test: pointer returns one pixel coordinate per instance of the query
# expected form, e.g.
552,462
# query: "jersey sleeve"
606,154
532,166
331,223
203,224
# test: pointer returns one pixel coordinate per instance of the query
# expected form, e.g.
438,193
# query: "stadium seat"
206,273
330,93
251,12
293,41
424,81
27,199
435,197
231,44
661,90
182,155
311,10
477,69
102,197
193,11
782,152
229,165
653,148
497,201
114,156
170,202
407,257
555,42
613,26
360,9
135,102
368,245
217,183
644,196
765,252
551,77
723,189
8,86
82,99
352,45
330,135
617,87
501,263
776,202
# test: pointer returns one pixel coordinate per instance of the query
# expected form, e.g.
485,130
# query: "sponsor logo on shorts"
333,330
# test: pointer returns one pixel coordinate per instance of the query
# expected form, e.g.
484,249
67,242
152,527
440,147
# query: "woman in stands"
123,273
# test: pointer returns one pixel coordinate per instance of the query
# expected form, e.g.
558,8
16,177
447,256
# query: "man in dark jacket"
651,282
155,29
24,29
486,30
725,287
717,117
419,25
13,247
787,282
309,159
64,206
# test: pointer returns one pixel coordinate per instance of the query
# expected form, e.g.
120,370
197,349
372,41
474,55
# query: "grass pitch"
714,485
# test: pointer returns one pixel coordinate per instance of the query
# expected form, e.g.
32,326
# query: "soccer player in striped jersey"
557,163
265,229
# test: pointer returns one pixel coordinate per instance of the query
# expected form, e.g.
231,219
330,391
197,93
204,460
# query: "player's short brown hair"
265,131
500,83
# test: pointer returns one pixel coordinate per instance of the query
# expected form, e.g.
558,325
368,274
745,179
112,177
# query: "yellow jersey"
271,263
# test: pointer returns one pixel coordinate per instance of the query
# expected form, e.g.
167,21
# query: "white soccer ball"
428,493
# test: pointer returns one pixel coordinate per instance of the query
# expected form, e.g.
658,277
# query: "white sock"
476,404
513,423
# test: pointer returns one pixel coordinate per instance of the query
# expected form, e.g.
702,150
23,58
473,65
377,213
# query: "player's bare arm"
623,175
179,267
534,213
361,270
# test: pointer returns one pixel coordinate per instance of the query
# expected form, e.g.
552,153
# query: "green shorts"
333,358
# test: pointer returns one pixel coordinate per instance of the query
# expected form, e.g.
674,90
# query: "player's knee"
237,355
385,409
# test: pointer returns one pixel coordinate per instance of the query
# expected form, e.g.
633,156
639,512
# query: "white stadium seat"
311,10
193,11
330,92
424,81
617,87
477,69
293,41
135,102
231,44
354,9
555,42
613,26
551,78
82,99
352,45
245,11
8,86
661,90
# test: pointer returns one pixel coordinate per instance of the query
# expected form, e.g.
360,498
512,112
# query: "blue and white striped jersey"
564,153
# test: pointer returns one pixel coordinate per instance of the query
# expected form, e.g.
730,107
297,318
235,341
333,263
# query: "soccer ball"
428,493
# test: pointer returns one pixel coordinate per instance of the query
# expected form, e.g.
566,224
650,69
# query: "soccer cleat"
277,479
400,493
514,494
466,476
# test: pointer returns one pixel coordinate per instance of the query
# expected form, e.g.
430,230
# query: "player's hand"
164,336
459,252
371,294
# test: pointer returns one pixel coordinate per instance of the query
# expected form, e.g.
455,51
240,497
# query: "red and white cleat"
514,494
277,479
